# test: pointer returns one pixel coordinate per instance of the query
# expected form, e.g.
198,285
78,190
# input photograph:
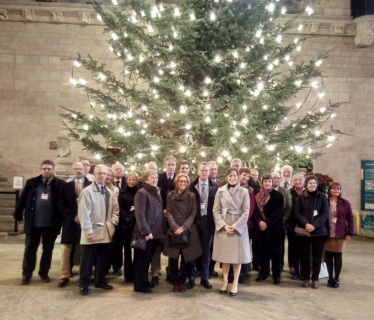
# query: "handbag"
138,242
301,232
178,239
323,273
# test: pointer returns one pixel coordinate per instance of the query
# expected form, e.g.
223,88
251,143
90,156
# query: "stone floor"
353,300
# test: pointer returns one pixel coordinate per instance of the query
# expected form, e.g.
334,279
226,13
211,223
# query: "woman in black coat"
127,222
268,226
181,213
149,226
311,212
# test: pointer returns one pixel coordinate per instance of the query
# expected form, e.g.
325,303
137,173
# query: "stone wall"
36,65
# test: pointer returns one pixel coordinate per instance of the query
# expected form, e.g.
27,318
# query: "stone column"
364,31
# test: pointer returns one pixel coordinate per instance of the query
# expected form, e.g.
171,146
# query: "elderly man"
119,178
71,230
213,171
152,165
286,174
98,214
42,218
286,209
184,167
205,191
236,163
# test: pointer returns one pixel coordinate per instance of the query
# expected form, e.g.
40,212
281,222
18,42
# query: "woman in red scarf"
267,221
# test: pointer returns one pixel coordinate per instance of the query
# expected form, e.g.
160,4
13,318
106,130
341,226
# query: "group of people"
125,221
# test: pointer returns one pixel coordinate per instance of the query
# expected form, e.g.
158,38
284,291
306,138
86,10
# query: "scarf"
262,196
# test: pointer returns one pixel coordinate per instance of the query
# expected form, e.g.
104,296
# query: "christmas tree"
203,80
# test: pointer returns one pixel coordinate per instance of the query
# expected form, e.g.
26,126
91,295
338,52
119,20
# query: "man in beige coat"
98,214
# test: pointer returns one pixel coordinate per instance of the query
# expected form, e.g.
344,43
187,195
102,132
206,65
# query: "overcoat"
231,208
181,212
94,213
27,202
68,205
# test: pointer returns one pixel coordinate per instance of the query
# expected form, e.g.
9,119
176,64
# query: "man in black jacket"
71,230
42,219
205,191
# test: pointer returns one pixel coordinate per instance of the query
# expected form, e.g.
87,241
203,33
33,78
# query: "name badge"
333,220
202,206
315,213
132,208
44,196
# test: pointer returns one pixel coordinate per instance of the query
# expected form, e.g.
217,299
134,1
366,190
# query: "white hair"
98,166
287,167
118,165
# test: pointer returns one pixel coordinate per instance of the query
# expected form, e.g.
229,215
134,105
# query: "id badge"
315,213
132,208
333,220
44,196
202,206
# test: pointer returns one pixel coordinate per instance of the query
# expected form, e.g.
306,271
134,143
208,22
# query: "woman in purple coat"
341,228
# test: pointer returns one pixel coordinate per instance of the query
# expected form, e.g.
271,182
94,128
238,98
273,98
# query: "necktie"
46,185
78,188
286,184
203,197
102,190
169,183
117,183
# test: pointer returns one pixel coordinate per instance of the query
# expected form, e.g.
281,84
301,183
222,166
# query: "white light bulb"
208,120
188,93
150,28
233,140
260,136
298,48
278,39
287,57
314,84
207,80
235,54
120,129
177,12
244,150
114,36
300,27
171,47
156,79
242,65
74,115
111,49
244,107
298,105
85,127
290,63
298,149
162,120
225,153
260,86
219,160
331,138
237,133
73,82
245,121
317,133
172,65
321,95
207,106
262,40
333,115
77,64
82,81
101,76
202,153
276,62
205,93
212,16
265,107
247,49
270,67
271,147
142,131
188,126
296,40
258,33
271,7
182,109
118,53
217,58
318,63
192,16
182,149
154,147
97,156
283,11
298,83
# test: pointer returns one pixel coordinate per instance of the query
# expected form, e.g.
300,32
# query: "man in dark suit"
205,191
213,171
71,230
166,184
42,218
119,175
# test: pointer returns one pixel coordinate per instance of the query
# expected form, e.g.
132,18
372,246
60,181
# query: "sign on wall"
367,197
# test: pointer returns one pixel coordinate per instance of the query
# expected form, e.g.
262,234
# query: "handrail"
16,193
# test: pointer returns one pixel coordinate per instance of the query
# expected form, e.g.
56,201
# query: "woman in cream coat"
231,242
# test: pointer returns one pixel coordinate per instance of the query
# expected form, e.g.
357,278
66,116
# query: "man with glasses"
86,170
205,191
286,208
43,220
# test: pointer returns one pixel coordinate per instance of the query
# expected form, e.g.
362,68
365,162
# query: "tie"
102,190
117,183
78,188
169,183
286,184
203,197
46,185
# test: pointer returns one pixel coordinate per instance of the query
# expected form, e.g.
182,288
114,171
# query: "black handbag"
138,242
178,239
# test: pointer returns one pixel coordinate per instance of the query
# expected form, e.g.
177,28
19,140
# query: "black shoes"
336,284
168,278
83,291
233,294
190,284
261,278
277,281
117,272
45,279
206,284
104,286
330,283
155,281
146,290
214,273
224,291
25,281
129,280
63,282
